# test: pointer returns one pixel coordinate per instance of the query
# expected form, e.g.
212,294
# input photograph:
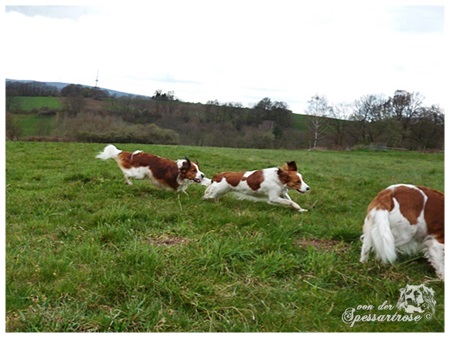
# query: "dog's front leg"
300,209
286,202
127,180
366,247
285,195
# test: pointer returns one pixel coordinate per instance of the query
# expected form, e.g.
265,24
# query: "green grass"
28,103
35,125
85,252
299,122
32,123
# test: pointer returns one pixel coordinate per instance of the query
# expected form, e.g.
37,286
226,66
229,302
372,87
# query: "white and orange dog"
405,219
163,173
270,185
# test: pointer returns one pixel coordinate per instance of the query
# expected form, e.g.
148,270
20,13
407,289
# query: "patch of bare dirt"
329,245
167,240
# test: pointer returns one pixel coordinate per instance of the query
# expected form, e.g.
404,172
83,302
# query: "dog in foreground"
270,185
163,173
406,219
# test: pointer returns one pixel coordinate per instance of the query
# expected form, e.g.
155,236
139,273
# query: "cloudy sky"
233,51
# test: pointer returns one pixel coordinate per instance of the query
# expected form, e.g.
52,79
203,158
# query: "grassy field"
35,125
28,103
32,123
85,252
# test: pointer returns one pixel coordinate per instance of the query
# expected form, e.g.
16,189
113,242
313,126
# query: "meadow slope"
85,252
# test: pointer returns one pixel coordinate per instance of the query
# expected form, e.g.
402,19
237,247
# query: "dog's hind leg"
434,252
367,244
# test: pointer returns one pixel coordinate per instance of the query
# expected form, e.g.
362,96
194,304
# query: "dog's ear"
186,164
292,166
289,166
284,167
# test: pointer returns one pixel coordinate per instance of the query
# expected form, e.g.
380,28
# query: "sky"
233,51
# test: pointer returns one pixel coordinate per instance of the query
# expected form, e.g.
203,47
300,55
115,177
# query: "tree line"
33,88
397,121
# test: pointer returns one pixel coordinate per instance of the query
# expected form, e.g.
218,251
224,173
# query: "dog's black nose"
203,176
307,188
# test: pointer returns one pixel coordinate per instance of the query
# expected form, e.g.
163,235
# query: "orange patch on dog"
254,180
382,201
434,213
232,178
411,203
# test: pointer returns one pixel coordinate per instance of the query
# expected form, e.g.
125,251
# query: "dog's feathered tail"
110,151
383,239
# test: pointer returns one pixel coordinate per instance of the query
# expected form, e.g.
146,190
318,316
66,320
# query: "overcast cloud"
234,51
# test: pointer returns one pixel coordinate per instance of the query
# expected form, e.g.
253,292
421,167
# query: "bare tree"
318,109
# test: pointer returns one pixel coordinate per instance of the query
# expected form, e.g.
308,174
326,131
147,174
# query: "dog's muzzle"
199,180
303,192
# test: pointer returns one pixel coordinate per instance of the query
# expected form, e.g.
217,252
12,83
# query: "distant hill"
164,119
61,85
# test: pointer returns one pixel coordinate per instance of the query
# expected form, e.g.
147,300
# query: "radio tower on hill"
96,80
